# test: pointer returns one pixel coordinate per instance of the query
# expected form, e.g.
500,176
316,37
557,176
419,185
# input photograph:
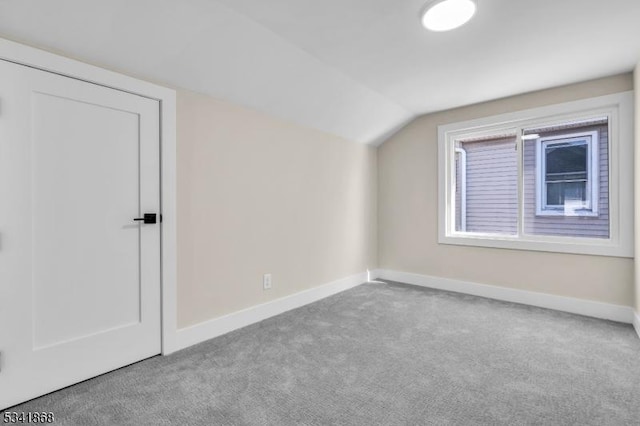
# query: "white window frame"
593,173
617,108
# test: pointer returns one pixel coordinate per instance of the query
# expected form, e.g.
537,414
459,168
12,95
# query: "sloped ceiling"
359,69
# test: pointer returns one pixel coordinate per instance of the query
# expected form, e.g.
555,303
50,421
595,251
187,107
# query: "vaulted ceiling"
359,69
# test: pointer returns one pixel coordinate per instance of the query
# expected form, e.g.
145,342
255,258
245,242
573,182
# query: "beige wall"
259,195
408,209
637,189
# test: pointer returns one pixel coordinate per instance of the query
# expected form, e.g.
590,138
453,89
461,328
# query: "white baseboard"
218,326
636,322
588,308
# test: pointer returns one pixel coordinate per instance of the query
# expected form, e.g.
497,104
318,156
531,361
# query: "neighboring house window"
568,171
556,178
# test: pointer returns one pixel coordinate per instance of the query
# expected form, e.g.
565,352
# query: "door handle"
148,218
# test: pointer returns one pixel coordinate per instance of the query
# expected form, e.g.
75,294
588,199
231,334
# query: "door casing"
45,61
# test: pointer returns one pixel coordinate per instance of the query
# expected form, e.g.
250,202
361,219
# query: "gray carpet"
380,354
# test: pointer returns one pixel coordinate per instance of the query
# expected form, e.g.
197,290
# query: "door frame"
46,61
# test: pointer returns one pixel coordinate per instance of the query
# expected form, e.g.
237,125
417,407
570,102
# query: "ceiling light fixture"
445,15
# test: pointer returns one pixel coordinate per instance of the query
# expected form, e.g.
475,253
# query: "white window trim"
593,175
618,108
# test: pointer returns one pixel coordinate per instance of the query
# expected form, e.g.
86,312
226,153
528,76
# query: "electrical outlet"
266,281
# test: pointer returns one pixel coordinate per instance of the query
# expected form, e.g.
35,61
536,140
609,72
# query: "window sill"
588,246
560,213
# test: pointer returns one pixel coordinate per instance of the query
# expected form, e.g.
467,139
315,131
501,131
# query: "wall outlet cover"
266,281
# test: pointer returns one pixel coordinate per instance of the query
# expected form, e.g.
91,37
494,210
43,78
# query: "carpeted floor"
380,354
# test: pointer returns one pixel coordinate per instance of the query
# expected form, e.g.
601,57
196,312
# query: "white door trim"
40,59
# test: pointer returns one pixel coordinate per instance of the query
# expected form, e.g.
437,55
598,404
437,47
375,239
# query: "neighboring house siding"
492,186
598,227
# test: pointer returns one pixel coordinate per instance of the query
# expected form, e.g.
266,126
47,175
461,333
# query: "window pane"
565,183
566,161
487,200
566,193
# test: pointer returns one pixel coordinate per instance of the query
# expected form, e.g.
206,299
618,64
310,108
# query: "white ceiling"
358,68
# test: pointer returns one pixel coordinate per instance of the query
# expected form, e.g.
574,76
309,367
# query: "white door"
79,278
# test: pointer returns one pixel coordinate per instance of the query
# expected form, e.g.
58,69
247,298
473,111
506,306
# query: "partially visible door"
79,278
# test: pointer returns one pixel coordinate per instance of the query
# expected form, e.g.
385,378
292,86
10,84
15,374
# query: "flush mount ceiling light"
445,15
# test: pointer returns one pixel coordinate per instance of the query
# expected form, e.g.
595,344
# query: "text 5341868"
33,417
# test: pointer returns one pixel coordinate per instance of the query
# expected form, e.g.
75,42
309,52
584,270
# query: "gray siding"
492,186
594,227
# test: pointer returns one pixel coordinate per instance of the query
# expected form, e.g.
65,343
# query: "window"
568,172
550,179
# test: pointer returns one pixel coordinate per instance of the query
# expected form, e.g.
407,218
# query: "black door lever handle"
148,218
